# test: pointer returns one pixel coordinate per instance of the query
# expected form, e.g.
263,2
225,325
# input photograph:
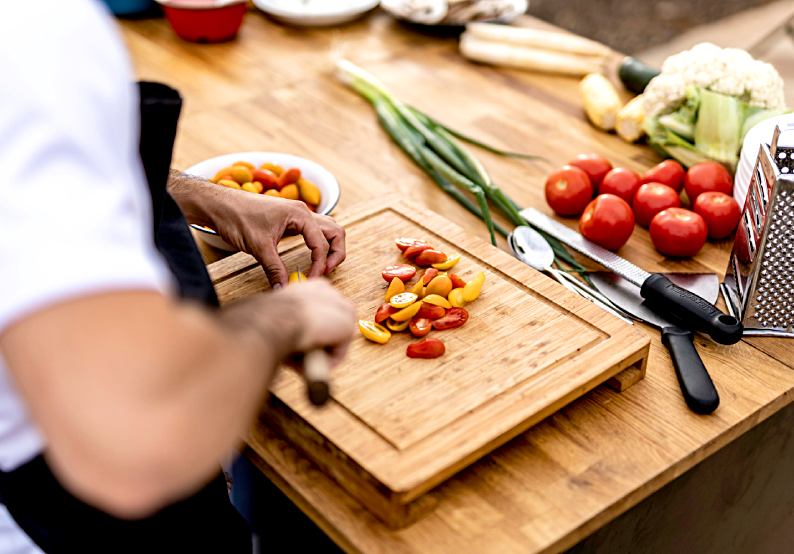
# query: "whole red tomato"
707,177
652,198
595,166
608,221
720,211
568,190
678,232
669,172
621,182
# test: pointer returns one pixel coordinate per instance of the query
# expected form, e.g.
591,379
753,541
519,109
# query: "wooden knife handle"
317,373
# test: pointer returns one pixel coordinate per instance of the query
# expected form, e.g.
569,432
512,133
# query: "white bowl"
315,13
314,172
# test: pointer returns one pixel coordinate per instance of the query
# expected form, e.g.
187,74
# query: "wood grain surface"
273,89
528,348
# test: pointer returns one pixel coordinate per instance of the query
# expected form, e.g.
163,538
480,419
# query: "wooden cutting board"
396,427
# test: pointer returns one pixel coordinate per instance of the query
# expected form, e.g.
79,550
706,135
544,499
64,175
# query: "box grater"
759,281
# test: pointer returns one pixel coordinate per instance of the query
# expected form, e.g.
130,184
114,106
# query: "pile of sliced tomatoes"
433,302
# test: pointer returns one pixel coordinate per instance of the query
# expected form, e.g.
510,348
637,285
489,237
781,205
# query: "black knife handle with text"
699,391
690,310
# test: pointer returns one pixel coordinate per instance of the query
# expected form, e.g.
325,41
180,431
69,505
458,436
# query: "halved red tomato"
431,311
403,243
384,312
454,318
429,274
420,326
426,348
457,282
429,257
403,272
413,251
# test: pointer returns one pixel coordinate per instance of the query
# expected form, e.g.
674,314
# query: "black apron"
55,519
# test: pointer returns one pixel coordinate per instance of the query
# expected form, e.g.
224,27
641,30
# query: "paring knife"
696,385
316,371
663,296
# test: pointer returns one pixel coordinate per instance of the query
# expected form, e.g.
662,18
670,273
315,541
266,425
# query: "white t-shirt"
74,206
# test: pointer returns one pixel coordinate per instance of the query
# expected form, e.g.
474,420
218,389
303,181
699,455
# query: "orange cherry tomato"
430,257
440,285
426,348
454,318
289,177
404,272
420,326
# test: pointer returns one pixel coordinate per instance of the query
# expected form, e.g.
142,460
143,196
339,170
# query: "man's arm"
139,398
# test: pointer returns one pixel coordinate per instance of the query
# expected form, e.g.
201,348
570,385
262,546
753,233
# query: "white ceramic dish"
315,13
314,172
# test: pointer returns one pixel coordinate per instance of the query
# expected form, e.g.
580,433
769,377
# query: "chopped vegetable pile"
434,301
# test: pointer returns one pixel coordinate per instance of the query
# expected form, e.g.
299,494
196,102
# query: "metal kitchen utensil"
696,385
663,296
530,247
759,282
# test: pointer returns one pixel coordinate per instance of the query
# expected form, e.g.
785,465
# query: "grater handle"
699,391
689,310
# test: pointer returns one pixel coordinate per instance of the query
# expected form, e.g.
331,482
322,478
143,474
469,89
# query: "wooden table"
273,89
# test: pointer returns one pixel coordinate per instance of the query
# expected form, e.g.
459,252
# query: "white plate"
314,172
315,13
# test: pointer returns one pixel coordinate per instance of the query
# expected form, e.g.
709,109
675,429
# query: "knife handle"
690,310
317,374
699,391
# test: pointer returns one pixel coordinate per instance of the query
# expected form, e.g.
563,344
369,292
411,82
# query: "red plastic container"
196,23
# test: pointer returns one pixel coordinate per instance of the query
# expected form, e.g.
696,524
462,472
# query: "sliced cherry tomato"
652,198
473,288
621,182
450,262
403,300
289,177
707,177
568,190
678,232
669,173
420,326
425,348
297,277
440,285
384,312
395,287
607,221
413,251
396,326
428,275
438,300
595,166
418,289
454,318
407,313
721,213
403,243
429,257
457,282
456,297
373,331
431,311
403,272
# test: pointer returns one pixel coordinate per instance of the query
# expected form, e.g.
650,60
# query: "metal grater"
759,281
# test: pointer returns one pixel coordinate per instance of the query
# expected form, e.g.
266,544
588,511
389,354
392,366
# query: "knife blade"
696,385
664,297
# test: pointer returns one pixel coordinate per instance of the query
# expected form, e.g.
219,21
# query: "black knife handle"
699,391
689,310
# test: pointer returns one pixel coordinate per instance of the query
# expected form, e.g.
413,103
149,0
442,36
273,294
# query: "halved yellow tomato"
297,277
456,298
403,300
438,300
440,285
398,326
374,332
472,289
395,287
407,313
418,289
449,263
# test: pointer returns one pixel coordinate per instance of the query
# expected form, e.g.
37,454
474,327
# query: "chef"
122,384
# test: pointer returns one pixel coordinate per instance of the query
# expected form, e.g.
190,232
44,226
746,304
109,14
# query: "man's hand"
255,223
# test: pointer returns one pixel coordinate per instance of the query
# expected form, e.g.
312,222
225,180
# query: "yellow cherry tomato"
395,287
437,300
449,263
241,174
418,289
309,191
229,183
272,192
277,169
398,326
440,285
245,164
456,298
403,300
290,192
374,332
407,313
472,289
223,173
255,187
297,277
